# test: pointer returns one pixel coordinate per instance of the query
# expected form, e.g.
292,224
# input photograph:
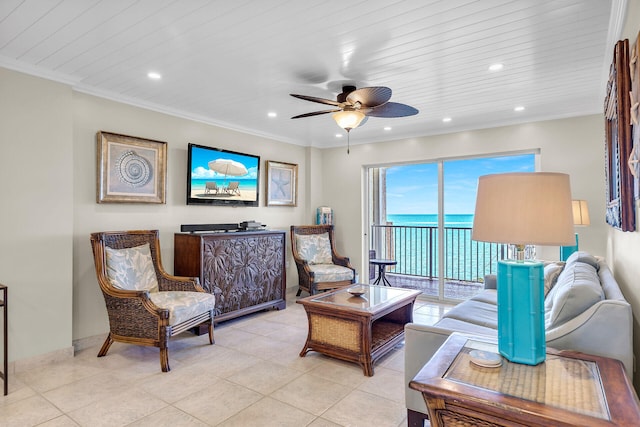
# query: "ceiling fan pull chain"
348,133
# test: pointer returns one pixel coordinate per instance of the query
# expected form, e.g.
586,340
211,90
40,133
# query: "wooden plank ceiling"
230,63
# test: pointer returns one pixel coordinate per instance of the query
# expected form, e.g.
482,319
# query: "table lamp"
580,219
523,209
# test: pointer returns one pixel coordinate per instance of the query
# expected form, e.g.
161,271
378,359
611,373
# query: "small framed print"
130,169
282,184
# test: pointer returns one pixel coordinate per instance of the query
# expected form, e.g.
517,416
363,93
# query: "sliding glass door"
421,216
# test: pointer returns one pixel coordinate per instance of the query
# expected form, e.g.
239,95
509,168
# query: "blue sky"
200,159
413,189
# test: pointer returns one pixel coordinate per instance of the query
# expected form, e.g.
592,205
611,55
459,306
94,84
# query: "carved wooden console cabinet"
244,270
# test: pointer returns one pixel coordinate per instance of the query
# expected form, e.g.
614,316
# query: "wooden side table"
568,389
4,374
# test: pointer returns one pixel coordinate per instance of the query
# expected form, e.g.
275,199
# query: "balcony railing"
415,248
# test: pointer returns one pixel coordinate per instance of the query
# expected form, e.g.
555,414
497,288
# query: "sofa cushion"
584,257
131,268
577,289
490,281
314,248
331,273
488,296
183,305
552,271
476,312
462,326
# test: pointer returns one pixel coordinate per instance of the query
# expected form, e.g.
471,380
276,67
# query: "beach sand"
248,195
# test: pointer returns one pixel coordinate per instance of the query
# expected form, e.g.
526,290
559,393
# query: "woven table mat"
561,382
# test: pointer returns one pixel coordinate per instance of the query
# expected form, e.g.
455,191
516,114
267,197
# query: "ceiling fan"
353,106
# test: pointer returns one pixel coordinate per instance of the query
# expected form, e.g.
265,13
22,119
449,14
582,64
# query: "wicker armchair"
320,267
146,313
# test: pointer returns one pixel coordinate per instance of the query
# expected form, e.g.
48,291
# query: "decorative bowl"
485,359
357,291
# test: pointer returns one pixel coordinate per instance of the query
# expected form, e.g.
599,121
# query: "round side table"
382,265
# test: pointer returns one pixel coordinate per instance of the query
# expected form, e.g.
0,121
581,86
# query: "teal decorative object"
523,209
521,337
566,251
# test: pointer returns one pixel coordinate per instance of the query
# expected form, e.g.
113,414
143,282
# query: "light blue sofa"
584,311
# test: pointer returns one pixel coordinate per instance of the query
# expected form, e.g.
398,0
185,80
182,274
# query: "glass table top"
561,382
371,297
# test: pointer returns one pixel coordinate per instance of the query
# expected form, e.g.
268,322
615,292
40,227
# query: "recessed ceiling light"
496,67
519,108
387,128
154,76
446,119
338,135
272,114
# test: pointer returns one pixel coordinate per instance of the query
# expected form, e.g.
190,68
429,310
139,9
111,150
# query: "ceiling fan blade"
315,113
392,109
315,99
370,97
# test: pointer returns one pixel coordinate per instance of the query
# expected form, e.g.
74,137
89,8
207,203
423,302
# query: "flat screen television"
222,177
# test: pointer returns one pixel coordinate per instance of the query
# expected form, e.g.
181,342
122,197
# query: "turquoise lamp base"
521,337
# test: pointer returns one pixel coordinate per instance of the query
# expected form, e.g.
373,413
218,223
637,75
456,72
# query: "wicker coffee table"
358,329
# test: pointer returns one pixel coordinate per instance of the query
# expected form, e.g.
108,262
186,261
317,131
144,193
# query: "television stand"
245,270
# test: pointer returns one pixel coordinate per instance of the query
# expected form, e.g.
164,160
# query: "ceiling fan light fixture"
348,119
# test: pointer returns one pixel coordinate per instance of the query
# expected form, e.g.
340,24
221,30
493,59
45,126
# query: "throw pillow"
584,257
551,272
578,288
131,268
314,248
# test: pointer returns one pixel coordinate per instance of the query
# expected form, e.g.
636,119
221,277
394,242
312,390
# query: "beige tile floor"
252,376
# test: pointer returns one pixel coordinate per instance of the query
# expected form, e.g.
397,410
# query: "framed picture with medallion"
130,169
282,184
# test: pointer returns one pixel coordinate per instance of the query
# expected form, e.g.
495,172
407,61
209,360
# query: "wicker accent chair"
319,265
145,305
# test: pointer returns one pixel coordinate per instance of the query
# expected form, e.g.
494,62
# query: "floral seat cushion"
314,248
183,305
331,272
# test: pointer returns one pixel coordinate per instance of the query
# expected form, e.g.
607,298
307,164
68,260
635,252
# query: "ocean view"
431,220
410,235
412,240
245,184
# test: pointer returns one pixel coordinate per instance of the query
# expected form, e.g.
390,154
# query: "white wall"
623,248
44,221
36,212
92,114
573,146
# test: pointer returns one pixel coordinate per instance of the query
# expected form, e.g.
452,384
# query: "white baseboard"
56,356
84,343
41,360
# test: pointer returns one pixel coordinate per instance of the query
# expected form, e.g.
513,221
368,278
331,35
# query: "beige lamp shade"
348,119
524,209
580,212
